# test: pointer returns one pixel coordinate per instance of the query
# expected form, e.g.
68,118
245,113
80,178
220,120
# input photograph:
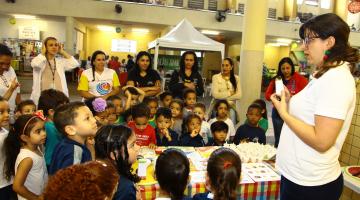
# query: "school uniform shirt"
143,137
263,123
103,83
37,177
126,190
161,140
148,80
39,64
187,140
152,122
203,196
68,152
252,133
186,112
332,95
53,137
177,127
176,84
212,142
5,82
3,182
231,131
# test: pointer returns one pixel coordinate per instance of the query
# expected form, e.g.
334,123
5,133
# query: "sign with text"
29,33
118,45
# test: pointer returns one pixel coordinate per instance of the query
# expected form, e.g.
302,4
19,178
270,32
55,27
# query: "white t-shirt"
332,95
3,182
37,178
5,82
231,131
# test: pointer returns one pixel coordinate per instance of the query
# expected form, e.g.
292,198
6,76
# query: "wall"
272,55
212,61
350,152
48,27
100,40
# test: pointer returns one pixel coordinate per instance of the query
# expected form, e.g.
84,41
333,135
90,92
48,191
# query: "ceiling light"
208,32
105,28
284,40
140,30
17,16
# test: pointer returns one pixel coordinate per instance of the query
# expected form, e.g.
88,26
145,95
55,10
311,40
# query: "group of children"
77,132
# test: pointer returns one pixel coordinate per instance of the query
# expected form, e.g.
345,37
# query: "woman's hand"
190,85
14,84
281,104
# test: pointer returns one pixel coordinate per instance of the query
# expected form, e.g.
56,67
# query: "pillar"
341,8
252,53
69,35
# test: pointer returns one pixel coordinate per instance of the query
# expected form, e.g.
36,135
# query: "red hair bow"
227,164
40,114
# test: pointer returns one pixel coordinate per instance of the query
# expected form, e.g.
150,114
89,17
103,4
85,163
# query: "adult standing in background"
226,85
317,119
130,63
143,76
187,77
49,70
9,86
293,81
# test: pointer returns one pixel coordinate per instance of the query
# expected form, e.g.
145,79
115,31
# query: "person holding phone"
293,81
49,69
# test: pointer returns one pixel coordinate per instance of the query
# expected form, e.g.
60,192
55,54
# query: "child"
126,115
191,130
166,98
133,96
26,107
189,101
176,107
219,131
119,109
263,123
145,134
200,110
223,175
222,109
5,181
49,100
24,159
153,104
101,180
76,122
111,112
251,130
109,141
172,172
97,107
164,135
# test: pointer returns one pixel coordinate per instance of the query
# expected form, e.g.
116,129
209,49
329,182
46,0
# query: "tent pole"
156,55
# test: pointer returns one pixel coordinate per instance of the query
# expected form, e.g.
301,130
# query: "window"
178,3
325,4
272,13
241,7
118,45
196,4
213,5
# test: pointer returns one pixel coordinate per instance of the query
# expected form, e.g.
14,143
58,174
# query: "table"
351,181
248,191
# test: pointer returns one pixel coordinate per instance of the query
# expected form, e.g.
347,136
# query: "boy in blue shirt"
76,122
164,135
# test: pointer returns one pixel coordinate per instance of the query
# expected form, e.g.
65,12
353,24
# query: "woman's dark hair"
112,139
172,172
224,170
186,121
219,102
93,58
13,142
325,26
263,106
194,68
4,50
232,75
279,72
138,57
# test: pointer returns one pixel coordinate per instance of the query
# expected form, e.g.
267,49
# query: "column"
340,8
69,35
252,53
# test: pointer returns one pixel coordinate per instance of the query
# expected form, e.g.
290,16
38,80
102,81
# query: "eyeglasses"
307,40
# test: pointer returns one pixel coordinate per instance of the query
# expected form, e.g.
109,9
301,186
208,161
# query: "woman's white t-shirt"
37,178
332,95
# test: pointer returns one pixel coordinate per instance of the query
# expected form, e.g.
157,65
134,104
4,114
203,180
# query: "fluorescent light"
277,44
208,32
140,30
106,28
283,40
17,16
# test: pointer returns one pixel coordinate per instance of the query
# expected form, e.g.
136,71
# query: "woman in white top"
226,85
49,70
98,81
318,118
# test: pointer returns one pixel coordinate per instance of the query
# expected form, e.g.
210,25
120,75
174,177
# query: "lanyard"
4,80
53,70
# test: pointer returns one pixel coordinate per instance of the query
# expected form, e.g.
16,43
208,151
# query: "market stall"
259,179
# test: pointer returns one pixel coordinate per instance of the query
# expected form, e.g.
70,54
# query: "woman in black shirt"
143,76
187,77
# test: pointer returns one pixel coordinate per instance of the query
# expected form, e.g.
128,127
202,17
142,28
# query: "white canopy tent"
185,36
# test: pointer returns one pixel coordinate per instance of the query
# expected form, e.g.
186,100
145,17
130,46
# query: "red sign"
354,6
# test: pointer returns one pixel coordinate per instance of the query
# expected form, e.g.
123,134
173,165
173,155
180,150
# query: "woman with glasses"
317,119
293,81
226,85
